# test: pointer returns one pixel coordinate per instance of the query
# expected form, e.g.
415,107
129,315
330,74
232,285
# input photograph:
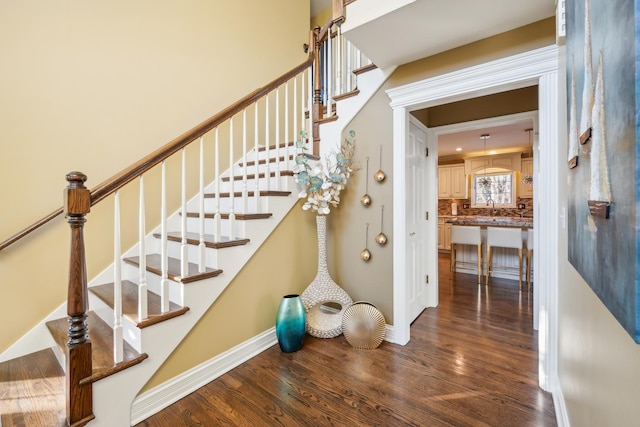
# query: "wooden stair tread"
328,119
209,240
324,110
154,265
364,69
101,337
282,159
269,160
33,390
263,193
273,147
239,216
130,304
346,95
260,175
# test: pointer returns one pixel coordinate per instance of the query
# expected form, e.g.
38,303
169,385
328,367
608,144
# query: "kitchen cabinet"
526,190
447,236
452,182
444,234
480,164
440,235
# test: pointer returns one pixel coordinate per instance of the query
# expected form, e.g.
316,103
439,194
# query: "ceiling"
505,138
423,28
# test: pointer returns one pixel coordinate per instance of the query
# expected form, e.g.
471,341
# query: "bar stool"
529,255
504,237
466,235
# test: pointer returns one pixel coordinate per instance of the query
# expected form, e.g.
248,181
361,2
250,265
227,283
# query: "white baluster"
118,344
267,173
201,247
184,249
142,285
164,254
232,215
277,138
256,181
330,74
245,191
304,90
295,117
350,66
310,103
217,226
287,165
339,62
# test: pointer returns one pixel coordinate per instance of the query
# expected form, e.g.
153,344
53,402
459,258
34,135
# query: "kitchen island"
505,261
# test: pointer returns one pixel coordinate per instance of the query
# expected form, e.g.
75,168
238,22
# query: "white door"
416,253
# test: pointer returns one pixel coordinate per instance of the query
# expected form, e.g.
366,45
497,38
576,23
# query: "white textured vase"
324,321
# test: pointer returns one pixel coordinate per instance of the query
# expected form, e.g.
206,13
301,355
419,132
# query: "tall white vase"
323,299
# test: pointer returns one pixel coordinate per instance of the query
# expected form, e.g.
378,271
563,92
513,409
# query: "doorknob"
412,233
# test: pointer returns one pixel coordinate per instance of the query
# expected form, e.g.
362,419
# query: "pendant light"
485,181
528,179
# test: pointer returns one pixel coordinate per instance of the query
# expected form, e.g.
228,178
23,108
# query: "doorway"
538,67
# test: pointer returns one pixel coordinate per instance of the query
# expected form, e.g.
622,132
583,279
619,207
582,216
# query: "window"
496,187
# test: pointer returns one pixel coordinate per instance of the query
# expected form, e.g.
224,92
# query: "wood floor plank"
472,361
32,391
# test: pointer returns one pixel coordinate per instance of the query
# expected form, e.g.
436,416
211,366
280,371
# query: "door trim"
537,67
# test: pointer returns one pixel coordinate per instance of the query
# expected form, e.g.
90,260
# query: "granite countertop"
493,221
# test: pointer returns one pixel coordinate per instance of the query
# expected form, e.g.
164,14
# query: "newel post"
77,203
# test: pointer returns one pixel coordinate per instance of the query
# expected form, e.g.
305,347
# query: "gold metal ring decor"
363,325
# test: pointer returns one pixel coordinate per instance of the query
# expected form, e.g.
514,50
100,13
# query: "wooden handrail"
11,240
125,176
117,181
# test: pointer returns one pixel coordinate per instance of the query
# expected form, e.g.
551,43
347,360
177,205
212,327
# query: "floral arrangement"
323,180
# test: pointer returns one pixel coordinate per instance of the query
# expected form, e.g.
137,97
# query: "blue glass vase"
291,323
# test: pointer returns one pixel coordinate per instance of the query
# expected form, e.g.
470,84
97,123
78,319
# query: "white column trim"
400,310
539,67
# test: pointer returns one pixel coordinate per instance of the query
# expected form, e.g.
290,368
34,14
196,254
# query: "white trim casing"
537,67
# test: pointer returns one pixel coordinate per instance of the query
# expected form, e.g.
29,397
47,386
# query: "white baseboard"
160,397
562,417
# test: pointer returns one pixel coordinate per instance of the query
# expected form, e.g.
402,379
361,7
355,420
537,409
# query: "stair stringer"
39,338
368,85
114,395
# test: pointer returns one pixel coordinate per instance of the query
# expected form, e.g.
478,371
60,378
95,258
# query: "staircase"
147,301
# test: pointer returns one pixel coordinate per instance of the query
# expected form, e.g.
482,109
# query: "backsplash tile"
444,208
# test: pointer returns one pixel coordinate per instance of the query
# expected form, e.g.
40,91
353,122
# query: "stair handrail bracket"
79,393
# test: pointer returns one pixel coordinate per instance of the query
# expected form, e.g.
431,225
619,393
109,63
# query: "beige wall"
285,264
373,281
598,361
95,86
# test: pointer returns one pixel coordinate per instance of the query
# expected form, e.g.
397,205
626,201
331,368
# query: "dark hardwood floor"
470,362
